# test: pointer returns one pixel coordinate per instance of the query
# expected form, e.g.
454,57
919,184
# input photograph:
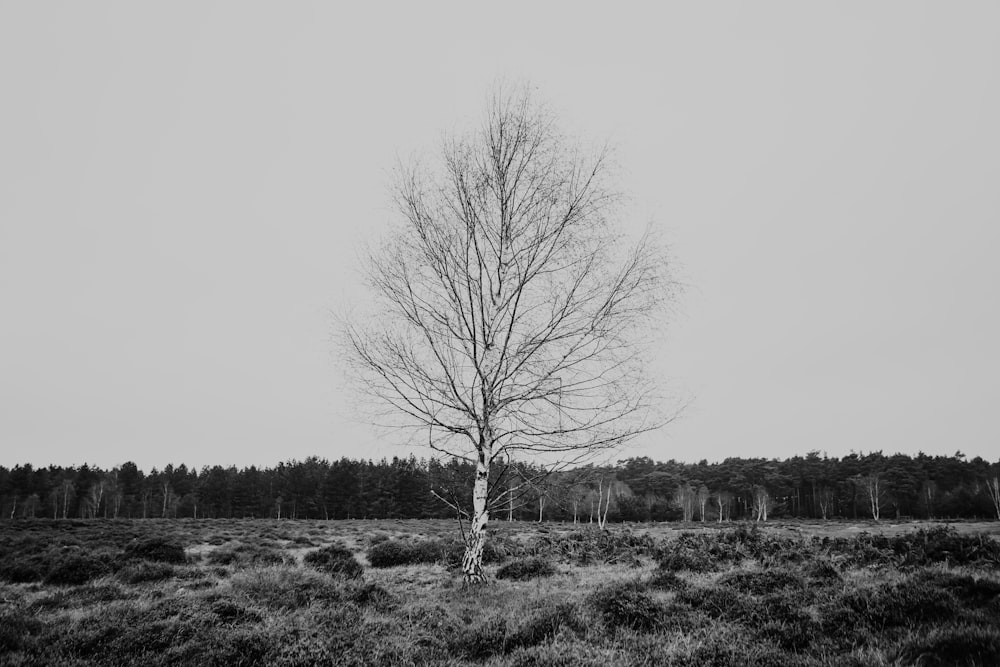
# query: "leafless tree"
993,488
685,499
605,488
508,314
928,496
825,497
762,502
873,488
724,501
703,497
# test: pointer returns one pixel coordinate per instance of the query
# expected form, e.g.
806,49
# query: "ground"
257,592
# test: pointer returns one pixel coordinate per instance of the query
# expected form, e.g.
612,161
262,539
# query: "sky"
185,189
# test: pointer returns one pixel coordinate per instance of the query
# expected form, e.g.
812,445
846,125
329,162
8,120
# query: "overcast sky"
184,188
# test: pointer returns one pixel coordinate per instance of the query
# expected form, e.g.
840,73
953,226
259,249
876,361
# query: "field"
274,592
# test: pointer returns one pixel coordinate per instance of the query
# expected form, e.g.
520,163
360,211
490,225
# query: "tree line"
856,486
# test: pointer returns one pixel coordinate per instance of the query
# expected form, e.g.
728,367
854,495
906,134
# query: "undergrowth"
106,593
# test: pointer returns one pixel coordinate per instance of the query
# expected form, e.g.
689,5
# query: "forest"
857,486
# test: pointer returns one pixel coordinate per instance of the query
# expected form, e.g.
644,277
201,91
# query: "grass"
313,592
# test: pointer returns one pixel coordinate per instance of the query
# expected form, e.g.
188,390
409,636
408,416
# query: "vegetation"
809,487
297,592
336,560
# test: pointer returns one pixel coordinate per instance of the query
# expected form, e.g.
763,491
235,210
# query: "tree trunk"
472,561
993,486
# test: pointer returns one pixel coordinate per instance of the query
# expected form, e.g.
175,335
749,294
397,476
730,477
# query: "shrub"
952,645
526,568
544,624
244,555
336,560
370,594
762,582
623,606
484,639
583,547
282,587
687,559
496,550
21,572
970,590
18,630
157,550
228,611
144,571
78,568
719,602
392,553
667,580
823,570
907,603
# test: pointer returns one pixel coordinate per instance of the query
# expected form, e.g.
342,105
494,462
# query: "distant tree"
685,499
762,502
928,496
993,489
873,490
703,495
724,503
825,497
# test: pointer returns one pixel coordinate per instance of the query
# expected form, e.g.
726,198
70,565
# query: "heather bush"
283,587
335,560
156,549
143,571
761,582
822,571
18,630
903,604
970,590
392,553
21,571
526,568
719,602
666,580
952,645
584,547
624,606
228,611
247,555
78,568
543,624
483,639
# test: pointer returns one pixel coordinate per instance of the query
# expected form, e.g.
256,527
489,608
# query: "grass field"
275,592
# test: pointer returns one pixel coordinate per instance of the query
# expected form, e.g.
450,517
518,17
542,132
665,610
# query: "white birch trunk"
472,561
993,486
